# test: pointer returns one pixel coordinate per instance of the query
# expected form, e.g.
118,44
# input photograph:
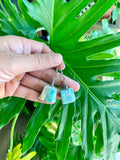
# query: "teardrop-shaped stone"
48,94
67,96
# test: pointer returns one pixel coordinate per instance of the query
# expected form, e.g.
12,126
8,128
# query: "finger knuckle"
37,60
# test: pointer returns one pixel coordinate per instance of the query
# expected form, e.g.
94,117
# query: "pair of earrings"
49,93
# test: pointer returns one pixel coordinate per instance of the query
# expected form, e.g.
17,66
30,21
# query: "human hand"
26,67
108,14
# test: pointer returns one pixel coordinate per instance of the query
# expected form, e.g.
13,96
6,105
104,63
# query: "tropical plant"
97,102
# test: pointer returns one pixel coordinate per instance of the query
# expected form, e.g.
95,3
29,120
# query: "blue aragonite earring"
49,93
67,95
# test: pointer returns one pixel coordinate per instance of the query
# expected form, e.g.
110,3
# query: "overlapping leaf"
9,109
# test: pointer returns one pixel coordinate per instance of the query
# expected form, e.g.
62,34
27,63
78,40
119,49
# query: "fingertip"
73,84
76,86
56,59
61,66
60,57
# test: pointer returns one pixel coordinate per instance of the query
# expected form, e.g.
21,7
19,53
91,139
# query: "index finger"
46,49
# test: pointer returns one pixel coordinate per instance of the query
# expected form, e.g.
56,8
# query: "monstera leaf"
100,111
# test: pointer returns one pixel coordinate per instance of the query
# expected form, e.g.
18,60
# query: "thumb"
34,62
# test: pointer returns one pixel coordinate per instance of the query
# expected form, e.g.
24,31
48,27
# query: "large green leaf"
13,23
65,30
60,19
64,131
39,117
9,109
75,153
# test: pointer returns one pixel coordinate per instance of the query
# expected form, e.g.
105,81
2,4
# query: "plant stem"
12,132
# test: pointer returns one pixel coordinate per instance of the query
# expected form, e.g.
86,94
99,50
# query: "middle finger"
36,84
47,76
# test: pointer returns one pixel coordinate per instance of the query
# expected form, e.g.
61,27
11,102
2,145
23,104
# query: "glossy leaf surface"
64,130
12,107
39,117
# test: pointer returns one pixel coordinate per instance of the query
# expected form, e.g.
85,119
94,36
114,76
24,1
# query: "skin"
26,66
107,15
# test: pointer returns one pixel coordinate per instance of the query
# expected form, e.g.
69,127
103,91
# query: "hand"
26,67
108,14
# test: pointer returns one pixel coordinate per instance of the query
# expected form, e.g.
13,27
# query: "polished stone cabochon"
48,94
67,96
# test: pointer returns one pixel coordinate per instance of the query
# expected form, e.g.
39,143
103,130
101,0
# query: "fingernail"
61,66
57,58
76,86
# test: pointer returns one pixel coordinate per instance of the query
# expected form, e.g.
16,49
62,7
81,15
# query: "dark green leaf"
64,131
75,153
54,109
49,145
9,109
98,139
39,117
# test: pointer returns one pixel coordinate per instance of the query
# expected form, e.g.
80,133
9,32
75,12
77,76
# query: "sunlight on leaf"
17,154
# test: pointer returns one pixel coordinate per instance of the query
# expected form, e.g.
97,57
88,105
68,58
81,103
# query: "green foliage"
95,106
39,117
9,109
64,132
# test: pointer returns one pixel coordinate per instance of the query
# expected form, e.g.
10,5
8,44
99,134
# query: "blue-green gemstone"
48,94
67,96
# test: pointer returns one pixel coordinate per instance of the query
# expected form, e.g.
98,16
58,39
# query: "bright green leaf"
39,117
64,131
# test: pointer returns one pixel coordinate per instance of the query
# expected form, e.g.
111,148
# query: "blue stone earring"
49,93
67,94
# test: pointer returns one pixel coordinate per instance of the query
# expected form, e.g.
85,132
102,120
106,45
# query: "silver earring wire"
55,75
63,80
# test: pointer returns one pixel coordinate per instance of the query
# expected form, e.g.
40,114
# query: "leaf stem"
12,132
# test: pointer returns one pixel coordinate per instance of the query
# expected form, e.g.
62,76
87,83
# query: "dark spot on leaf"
116,96
68,0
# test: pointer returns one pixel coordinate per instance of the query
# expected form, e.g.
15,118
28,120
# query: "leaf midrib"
97,100
102,86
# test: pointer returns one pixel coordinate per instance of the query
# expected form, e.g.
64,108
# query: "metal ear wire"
55,75
63,80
